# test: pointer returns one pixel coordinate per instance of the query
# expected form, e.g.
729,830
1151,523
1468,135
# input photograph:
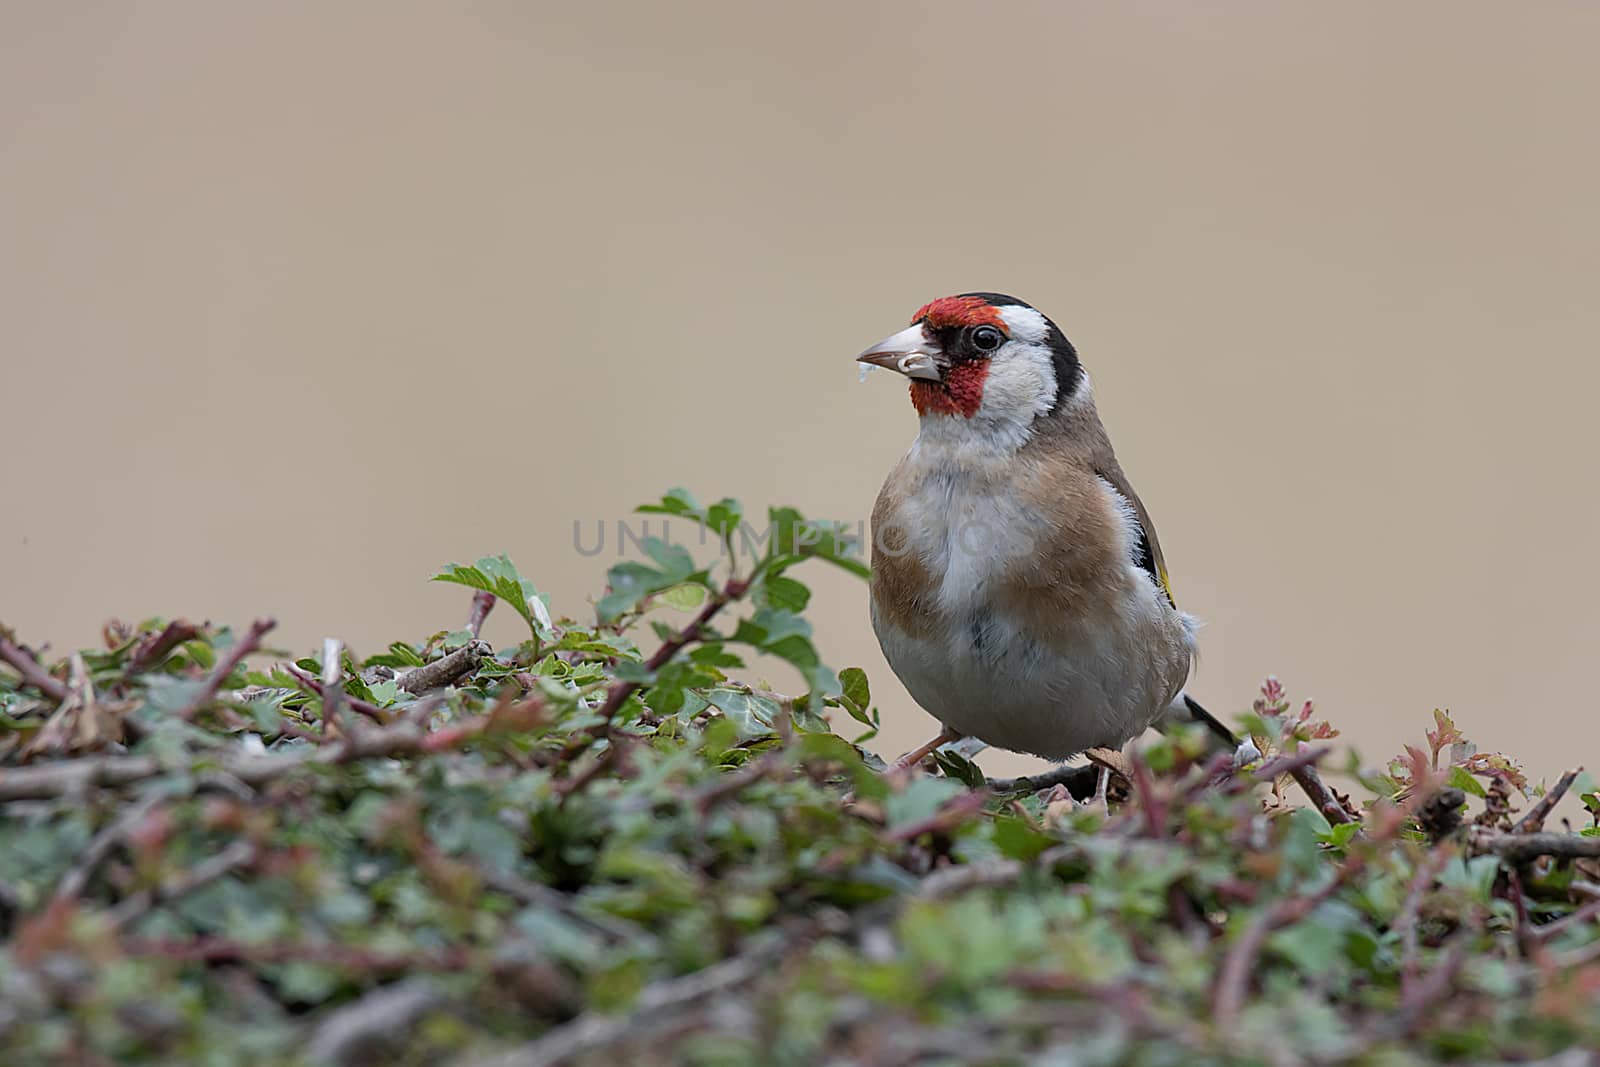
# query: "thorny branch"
658,1003
1078,778
446,670
907,847
620,691
1536,815
58,778
482,603
248,642
135,907
32,673
362,707
156,647
1514,848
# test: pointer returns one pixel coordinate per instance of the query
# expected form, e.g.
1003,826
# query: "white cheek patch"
1020,385
1025,324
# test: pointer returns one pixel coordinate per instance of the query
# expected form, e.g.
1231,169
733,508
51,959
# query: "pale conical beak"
908,352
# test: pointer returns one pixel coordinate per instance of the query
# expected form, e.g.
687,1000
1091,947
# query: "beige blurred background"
300,300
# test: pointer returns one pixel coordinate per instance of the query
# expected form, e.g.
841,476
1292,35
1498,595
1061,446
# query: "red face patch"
961,311
960,393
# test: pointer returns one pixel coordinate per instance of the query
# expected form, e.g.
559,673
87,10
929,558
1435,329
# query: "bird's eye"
987,338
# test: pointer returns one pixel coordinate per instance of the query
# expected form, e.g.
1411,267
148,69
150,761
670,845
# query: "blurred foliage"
570,851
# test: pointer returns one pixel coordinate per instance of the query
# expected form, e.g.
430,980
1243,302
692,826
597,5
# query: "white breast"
976,669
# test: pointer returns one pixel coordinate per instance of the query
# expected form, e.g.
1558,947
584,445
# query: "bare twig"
620,691
1405,920
1590,910
1311,783
445,670
32,673
1079,780
1440,815
363,707
1569,962
333,694
1536,815
763,766
1301,766
533,893
80,723
343,956
482,604
952,881
133,908
157,647
656,1004
362,1031
1234,975
1421,997
1277,766
61,778
597,766
1523,848
100,846
1153,807
248,642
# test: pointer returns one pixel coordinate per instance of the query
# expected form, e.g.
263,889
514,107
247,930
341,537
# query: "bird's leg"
1102,789
918,754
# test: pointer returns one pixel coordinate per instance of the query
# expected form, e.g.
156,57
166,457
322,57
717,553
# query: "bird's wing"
1150,557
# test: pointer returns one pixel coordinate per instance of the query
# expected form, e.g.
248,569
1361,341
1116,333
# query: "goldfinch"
1018,588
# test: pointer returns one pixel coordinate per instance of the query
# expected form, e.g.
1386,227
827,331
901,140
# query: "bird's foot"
1102,789
920,753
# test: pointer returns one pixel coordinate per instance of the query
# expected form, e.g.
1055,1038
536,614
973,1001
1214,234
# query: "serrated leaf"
960,768
497,575
632,581
855,695
786,593
685,597
1461,779
853,686
751,713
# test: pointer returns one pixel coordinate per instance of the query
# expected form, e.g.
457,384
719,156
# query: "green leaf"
1311,946
785,593
632,581
921,799
1018,840
400,654
685,597
854,688
793,537
721,518
499,576
1462,779
960,768
752,713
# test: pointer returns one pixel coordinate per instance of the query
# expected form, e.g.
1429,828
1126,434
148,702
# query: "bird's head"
983,357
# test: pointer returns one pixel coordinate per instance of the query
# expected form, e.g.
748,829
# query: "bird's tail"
1186,710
